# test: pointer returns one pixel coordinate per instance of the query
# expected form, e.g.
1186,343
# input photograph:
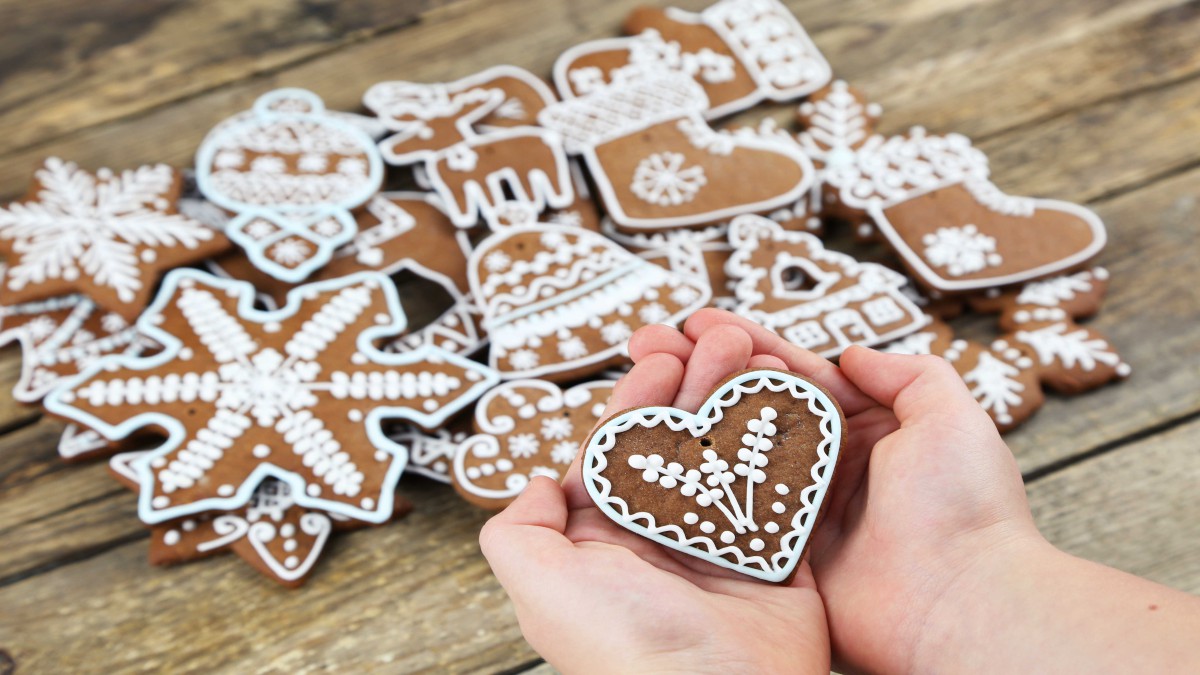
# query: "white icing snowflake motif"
661,179
85,225
616,332
654,313
961,250
246,385
572,348
290,252
557,428
993,383
497,261
524,359
524,446
564,452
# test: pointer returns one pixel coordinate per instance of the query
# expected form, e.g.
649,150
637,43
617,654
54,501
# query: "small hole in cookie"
796,279
566,413
706,442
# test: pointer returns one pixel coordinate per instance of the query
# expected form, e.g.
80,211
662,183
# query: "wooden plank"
1133,508
412,595
13,413
29,452
69,65
1152,314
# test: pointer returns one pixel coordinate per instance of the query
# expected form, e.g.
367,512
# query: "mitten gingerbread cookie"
292,173
525,428
560,302
658,165
298,394
818,299
740,483
107,235
741,51
475,141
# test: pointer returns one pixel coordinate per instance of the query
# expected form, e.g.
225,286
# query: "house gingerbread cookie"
525,428
818,299
292,173
107,235
740,483
742,52
297,394
476,141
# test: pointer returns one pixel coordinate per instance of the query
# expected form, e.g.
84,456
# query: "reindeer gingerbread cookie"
476,141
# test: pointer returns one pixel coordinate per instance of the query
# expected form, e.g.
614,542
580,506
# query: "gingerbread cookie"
431,453
1067,297
658,165
297,394
523,429
672,248
741,52
691,481
475,141
931,198
560,302
107,235
279,538
59,338
397,231
818,299
292,173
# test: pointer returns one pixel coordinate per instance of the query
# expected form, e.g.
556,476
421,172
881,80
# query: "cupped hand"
593,597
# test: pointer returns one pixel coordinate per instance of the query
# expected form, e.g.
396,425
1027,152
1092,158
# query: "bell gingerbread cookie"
271,532
741,52
292,173
298,394
108,235
560,303
740,483
476,142
523,429
657,164
821,300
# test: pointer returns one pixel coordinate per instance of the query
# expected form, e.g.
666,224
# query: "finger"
652,381
657,338
766,361
529,531
917,388
798,360
719,352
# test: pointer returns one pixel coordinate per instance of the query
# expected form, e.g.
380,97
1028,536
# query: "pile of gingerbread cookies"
234,336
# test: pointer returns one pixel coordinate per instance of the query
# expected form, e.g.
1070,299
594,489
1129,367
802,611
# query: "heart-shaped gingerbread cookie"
740,483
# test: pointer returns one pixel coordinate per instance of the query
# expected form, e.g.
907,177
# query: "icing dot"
148,255
185,354
158,462
271,327
474,376
358,359
487,469
287,531
171,537
598,410
225,490
291,562
771,528
261,451
382,318
189,525
160,502
354,415
727,537
313,490
691,518
782,489
707,527
368,503
473,472
430,405
527,411
1124,370
380,456
778,507
290,545
504,464
757,544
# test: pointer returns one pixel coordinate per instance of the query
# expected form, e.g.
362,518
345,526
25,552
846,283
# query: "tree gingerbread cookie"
657,164
525,428
742,52
560,302
297,394
821,300
107,235
292,173
740,483
476,141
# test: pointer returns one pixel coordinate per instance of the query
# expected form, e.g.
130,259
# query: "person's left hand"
593,597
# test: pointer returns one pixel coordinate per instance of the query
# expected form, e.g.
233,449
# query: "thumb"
916,388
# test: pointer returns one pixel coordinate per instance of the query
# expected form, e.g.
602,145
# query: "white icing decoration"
1077,348
662,179
960,250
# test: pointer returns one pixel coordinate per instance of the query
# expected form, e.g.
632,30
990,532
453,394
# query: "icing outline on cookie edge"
727,394
171,346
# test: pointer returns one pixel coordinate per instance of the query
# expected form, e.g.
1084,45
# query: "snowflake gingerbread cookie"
741,52
292,173
821,300
740,483
523,429
476,142
560,302
107,235
657,164
297,394
277,537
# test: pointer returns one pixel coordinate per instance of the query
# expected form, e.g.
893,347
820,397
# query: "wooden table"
1095,101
